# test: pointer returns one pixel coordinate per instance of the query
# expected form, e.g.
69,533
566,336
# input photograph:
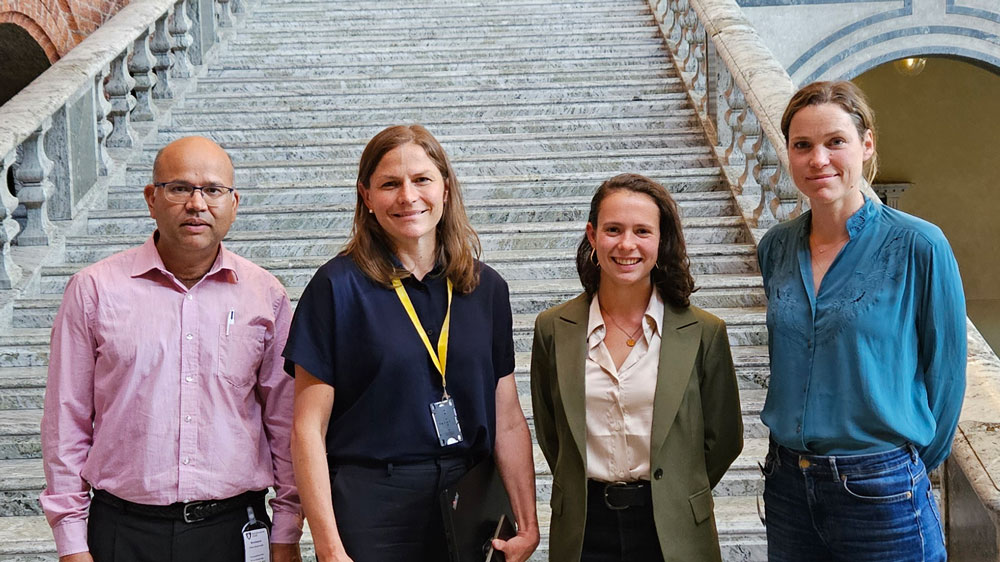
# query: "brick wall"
58,25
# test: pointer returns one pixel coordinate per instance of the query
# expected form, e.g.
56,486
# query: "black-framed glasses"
181,192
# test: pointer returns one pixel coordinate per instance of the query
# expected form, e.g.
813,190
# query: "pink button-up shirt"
161,394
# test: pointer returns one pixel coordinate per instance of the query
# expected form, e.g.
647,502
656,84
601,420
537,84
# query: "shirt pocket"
240,354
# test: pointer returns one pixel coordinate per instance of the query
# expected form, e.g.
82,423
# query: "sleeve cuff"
286,527
71,537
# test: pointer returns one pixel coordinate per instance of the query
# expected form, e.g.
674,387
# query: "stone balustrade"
58,135
741,90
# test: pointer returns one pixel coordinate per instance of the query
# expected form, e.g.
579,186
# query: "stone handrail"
740,91
59,134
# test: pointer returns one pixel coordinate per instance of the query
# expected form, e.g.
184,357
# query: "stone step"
387,22
517,265
291,243
431,80
439,125
609,163
498,146
432,68
684,185
325,98
341,216
459,55
432,41
19,437
528,296
408,12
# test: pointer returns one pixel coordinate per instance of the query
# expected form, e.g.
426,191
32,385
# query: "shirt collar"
855,223
652,319
148,259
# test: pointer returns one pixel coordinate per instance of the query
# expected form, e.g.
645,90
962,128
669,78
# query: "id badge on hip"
256,544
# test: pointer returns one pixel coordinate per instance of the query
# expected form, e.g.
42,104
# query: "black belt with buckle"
622,495
190,512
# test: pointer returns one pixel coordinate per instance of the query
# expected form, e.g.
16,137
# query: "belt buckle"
607,503
192,505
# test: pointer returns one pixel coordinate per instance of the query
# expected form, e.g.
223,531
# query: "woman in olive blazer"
697,428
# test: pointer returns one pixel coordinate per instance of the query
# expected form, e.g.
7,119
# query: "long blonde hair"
458,246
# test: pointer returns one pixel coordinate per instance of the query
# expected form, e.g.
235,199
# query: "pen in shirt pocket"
230,319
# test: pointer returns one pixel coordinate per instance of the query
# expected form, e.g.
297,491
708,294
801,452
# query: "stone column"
141,67
101,109
10,272
180,27
32,173
160,48
119,88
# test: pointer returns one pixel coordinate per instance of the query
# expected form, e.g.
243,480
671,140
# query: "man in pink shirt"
167,413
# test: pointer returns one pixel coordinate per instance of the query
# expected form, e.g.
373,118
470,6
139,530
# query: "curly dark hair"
672,273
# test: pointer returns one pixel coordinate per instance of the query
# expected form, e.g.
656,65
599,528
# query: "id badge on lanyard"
256,544
443,413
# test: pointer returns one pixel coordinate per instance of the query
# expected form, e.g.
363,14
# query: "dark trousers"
618,535
391,513
121,535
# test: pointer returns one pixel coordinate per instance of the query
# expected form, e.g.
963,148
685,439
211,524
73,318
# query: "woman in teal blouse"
866,323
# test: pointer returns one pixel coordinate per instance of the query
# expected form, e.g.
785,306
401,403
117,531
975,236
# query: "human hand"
285,553
519,547
77,557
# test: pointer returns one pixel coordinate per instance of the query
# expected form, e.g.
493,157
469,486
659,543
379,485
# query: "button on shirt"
157,395
620,401
877,358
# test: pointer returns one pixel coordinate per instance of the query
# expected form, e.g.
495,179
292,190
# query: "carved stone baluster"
10,272
735,115
699,81
238,6
119,89
723,129
101,109
674,31
225,18
159,46
766,172
692,25
32,174
659,9
180,26
680,45
748,137
141,67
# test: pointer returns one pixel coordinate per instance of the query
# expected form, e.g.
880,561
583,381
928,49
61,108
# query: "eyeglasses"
180,192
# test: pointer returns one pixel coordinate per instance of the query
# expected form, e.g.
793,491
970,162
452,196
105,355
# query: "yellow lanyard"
441,357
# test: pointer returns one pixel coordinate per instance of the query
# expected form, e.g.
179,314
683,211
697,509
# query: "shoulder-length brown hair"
458,245
672,273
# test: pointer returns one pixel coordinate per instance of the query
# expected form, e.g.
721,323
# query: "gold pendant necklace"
629,338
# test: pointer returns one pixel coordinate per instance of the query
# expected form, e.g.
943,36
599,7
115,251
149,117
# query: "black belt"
190,512
622,495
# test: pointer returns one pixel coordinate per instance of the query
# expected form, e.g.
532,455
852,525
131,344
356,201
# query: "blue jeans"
856,508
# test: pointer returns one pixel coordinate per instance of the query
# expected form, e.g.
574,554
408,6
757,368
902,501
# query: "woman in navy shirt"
405,322
866,324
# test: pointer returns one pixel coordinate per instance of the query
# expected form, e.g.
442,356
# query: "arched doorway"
939,130
21,60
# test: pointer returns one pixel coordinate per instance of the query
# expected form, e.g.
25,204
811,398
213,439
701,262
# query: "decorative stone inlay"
160,46
141,67
32,174
180,27
119,89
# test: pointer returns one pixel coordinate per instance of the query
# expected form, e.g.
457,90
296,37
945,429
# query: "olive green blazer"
697,427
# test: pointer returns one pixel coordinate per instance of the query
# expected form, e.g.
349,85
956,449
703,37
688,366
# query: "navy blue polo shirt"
353,334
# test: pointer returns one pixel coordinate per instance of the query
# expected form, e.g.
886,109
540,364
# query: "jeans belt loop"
833,469
914,456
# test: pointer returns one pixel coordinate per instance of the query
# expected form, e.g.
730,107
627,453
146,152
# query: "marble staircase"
536,101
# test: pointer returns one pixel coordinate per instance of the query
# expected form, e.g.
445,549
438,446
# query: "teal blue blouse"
877,358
